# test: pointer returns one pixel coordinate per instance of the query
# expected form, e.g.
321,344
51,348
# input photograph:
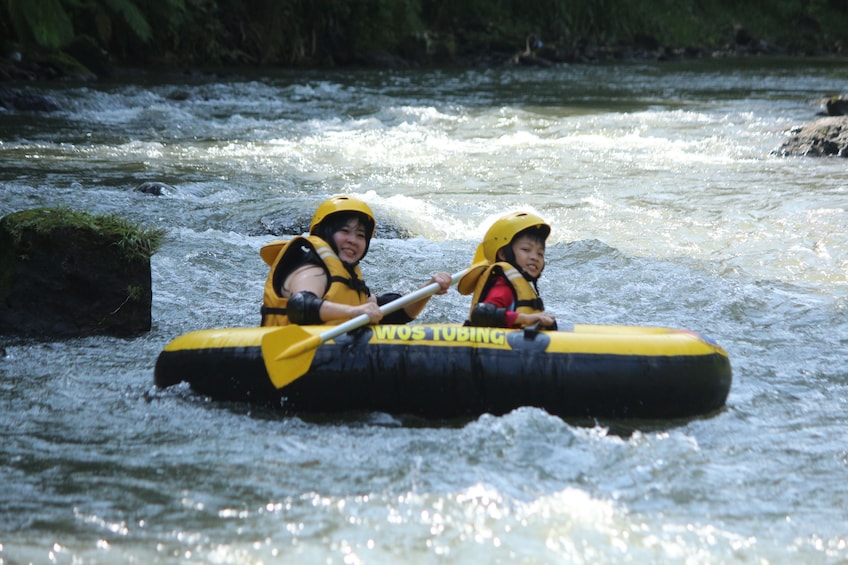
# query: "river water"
668,206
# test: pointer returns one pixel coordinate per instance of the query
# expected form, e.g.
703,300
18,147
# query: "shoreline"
45,67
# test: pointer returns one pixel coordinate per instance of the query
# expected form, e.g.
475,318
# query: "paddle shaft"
387,308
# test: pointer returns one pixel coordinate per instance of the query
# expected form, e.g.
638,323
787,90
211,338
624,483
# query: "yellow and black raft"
450,370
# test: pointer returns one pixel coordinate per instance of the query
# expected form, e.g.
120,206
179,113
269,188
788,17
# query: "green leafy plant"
45,23
333,32
54,23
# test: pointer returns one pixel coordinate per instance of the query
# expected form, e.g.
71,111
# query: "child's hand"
545,319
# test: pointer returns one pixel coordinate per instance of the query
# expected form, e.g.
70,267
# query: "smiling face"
351,241
529,254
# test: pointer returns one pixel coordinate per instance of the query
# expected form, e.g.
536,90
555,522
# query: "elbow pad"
485,314
304,309
396,317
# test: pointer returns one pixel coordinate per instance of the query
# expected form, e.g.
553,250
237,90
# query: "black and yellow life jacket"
478,280
344,286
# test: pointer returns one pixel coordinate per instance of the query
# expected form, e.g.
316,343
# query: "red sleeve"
500,294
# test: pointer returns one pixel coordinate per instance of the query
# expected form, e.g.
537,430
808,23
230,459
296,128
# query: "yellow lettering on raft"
402,333
385,332
418,333
459,334
465,334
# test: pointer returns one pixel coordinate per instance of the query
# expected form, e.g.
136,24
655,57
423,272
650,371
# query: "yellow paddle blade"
288,353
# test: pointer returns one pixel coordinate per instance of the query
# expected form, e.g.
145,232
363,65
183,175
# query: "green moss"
134,241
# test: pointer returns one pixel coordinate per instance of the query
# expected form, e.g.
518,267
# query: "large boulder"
824,137
65,273
286,223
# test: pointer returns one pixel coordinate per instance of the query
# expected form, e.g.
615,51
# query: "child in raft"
316,279
505,294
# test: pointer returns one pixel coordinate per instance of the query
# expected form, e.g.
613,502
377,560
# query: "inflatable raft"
449,370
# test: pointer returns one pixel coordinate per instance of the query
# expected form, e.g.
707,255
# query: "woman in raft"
316,279
505,294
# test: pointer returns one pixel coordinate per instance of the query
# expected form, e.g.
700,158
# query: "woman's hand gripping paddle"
288,352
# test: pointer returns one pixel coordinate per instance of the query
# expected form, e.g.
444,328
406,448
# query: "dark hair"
536,233
334,222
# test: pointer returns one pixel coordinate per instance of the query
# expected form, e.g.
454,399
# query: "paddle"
288,352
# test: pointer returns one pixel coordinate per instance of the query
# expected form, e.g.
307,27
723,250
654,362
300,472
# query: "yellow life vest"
480,278
285,256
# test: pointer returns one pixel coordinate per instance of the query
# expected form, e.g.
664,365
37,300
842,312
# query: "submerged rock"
155,188
23,101
65,273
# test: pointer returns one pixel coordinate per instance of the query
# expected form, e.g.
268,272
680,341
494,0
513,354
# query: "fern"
43,22
132,16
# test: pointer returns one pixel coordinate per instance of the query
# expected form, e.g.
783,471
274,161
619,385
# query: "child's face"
529,254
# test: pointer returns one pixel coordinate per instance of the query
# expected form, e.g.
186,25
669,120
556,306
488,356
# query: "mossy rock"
61,64
65,273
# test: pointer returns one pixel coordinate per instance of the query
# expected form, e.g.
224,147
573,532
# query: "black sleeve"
304,308
396,317
489,315
296,256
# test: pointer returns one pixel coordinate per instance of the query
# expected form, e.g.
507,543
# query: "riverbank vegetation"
334,33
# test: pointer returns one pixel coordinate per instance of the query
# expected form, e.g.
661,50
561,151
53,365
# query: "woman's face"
529,255
351,241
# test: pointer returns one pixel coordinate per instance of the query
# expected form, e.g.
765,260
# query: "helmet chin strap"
358,285
529,278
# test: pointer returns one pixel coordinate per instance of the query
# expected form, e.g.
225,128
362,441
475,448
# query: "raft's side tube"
447,370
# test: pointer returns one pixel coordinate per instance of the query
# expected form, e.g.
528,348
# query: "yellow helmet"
342,203
506,228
